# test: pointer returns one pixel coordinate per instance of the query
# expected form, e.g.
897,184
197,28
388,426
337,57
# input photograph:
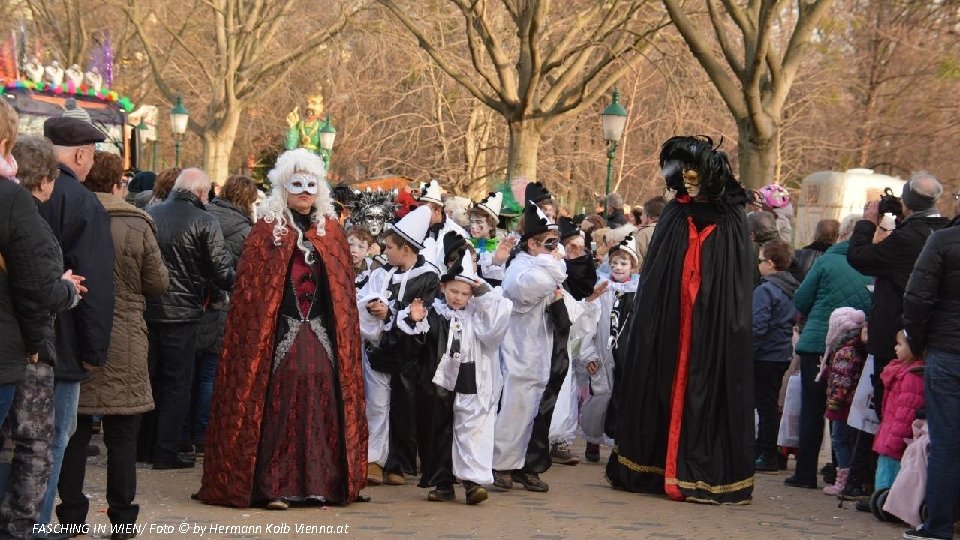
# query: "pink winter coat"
902,397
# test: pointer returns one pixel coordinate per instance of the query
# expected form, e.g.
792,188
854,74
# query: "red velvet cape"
236,411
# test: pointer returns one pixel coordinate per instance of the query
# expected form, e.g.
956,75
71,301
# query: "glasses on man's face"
124,183
550,244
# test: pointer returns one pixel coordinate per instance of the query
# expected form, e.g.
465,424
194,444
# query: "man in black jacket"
891,262
193,249
826,235
931,317
82,227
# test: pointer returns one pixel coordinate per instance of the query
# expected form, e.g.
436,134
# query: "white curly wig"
274,208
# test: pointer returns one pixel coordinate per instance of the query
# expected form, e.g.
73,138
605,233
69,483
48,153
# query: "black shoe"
530,481
186,457
442,494
185,448
782,461
502,480
175,464
793,481
854,493
829,473
592,453
920,534
765,466
476,494
198,449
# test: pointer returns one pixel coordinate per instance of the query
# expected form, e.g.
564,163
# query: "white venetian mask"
302,183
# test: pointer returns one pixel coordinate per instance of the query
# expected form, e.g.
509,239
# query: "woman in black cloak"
684,397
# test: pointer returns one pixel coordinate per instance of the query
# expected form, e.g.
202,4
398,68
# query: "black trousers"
768,377
538,458
120,437
404,412
813,405
173,352
878,365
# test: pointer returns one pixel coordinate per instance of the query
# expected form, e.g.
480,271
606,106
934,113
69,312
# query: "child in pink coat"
903,381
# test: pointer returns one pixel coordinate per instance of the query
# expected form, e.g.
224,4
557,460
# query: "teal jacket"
831,283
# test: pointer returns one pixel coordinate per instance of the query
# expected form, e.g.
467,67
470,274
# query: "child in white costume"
391,446
533,282
601,351
459,338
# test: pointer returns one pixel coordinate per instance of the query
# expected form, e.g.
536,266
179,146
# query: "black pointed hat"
536,192
567,228
535,221
453,245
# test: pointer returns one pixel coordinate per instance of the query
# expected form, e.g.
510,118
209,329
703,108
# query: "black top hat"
567,228
535,221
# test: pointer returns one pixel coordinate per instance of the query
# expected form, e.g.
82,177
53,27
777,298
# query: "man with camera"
891,261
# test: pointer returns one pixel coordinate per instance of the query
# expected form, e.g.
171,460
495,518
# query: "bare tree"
535,66
228,54
737,47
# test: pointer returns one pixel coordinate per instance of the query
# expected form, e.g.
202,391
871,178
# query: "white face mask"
303,183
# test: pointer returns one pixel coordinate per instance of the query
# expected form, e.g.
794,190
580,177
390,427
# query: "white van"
834,195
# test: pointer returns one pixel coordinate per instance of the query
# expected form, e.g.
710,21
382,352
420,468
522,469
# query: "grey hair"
926,184
36,161
615,200
193,180
847,226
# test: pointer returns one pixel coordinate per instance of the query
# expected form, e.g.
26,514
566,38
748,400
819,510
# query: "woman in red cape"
287,420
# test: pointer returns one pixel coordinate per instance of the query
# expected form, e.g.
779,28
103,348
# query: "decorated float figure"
305,132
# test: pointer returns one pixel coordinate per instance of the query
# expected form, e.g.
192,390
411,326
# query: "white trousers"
473,439
377,390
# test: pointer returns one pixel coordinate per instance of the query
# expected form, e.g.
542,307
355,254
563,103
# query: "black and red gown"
684,394
287,416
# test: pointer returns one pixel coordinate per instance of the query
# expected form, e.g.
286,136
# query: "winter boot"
839,484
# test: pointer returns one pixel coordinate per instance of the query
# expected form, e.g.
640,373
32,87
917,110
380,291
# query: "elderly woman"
831,283
234,211
30,265
120,391
288,421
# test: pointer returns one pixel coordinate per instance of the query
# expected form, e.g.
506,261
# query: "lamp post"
614,118
139,130
327,136
178,125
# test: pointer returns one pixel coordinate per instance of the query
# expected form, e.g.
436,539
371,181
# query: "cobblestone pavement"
579,505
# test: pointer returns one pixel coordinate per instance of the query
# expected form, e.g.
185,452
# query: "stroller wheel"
877,498
924,512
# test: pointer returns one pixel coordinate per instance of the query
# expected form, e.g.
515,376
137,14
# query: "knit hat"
491,204
628,246
413,227
535,221
462,270
142,181
567,228
536,192
430,192
71,110
916,201
842,322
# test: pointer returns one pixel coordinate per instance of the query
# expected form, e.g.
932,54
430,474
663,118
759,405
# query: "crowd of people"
305,357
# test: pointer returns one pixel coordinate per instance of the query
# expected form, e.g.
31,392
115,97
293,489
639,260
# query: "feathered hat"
413,227
697,157
535,221
462,270
430,192
491,204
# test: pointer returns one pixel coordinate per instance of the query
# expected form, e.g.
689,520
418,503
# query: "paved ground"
579,505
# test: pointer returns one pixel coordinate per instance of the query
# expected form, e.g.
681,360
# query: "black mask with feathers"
697,156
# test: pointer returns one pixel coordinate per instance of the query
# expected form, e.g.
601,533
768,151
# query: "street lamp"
178,124
139,130
327,136
614,118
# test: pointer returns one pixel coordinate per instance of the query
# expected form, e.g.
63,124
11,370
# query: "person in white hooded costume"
533,282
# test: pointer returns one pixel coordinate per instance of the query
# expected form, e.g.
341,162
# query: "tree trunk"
524,146
757,156
218,145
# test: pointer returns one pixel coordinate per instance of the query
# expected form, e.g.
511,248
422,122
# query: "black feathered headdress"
697,155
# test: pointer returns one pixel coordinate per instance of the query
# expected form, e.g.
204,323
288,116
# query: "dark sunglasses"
550,244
